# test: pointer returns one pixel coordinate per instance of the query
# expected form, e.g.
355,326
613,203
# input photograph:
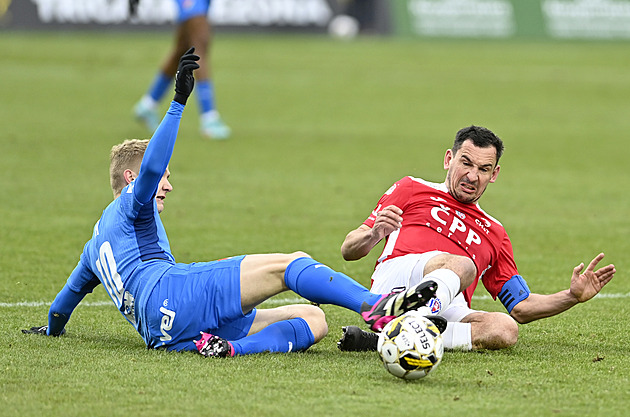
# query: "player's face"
470,171
163,188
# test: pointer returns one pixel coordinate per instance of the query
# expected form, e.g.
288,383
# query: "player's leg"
145,110
452,273
312,315
263,276
197,32
470,329
491,330
398,273
290,328
297,327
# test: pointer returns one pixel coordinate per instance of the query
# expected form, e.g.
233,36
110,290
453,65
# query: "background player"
171,303
193,28
439,232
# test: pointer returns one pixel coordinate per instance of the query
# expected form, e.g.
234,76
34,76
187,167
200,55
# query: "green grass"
321,129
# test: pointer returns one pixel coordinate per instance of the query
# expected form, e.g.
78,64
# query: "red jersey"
434,220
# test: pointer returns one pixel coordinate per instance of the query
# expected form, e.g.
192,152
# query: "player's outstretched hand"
184,80
588,284
42,330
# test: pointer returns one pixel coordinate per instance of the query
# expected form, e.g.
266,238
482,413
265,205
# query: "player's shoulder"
422,183
488,216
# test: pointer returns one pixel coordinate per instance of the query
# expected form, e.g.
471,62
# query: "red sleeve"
503,269
397,195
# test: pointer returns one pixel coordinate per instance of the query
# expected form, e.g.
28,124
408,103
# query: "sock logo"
290,347
435,305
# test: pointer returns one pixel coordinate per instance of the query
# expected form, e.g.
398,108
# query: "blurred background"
502,19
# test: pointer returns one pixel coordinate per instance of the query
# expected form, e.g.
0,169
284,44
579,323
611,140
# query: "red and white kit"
434,220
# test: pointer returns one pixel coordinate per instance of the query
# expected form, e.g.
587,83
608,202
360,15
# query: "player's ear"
129,175
495,173
448,157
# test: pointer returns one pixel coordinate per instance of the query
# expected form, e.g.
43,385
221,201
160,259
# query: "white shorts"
406,271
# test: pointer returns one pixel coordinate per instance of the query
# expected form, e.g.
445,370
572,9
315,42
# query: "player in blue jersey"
193,28
207,306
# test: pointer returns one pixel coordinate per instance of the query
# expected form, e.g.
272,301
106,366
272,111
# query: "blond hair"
127,155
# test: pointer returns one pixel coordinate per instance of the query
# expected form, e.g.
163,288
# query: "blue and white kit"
130,255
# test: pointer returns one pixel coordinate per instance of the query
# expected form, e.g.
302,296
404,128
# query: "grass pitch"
321,129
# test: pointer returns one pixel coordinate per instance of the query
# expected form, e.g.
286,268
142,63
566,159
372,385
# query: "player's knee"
316,320
505,331
298,254
285,259
279,262
468,271
463,266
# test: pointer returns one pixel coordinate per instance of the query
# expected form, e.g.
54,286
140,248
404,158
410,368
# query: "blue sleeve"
80,283
158,154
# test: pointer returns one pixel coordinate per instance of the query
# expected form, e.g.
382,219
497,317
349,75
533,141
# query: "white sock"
448,287
457,336
148,102
210,116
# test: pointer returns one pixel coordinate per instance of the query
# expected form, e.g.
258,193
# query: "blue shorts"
191,298
187,9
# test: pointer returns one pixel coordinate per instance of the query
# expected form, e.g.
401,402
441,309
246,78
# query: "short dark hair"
480,137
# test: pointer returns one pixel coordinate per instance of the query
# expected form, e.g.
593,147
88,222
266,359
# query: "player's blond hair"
127,155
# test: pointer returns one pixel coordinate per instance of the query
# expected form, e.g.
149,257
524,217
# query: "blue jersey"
129,250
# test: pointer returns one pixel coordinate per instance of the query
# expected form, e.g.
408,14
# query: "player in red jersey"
439,232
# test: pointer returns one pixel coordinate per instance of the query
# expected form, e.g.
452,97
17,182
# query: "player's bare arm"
584,286
359,242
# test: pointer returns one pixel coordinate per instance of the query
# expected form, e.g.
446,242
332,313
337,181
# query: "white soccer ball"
410,346
343,27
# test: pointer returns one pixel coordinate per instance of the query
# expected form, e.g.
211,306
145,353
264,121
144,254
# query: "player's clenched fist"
184,80
387,221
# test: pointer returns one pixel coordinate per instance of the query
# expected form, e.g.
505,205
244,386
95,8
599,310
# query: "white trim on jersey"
389,246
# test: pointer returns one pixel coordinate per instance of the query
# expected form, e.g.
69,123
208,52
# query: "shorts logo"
166,324
435,305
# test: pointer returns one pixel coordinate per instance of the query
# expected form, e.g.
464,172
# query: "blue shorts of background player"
188,9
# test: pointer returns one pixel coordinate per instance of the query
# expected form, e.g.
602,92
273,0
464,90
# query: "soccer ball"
410,346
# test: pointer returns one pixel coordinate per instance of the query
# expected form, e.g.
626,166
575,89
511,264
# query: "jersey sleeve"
80,283
504,269
397,195
158,154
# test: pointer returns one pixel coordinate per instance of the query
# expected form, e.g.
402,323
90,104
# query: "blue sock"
205,95
318,283
161,83
284,336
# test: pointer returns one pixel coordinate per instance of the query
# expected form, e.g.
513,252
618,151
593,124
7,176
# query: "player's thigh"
262,276
401,272
463,266
314,317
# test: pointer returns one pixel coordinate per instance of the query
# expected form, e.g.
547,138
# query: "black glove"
40,330
184,80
